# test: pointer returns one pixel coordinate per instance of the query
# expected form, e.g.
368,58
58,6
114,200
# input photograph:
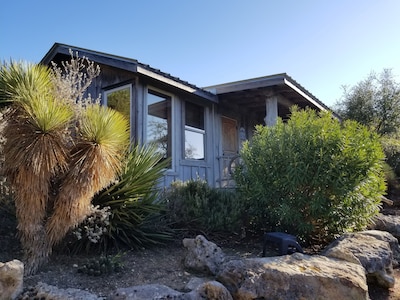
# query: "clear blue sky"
322,44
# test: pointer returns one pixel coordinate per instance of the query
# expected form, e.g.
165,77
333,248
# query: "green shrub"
391,147
102,265
194,205
132,206
392,181
312,176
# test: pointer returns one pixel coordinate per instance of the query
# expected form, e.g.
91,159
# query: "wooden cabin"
200,129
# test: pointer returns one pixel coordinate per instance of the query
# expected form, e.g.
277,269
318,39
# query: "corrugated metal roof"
210,93
129,64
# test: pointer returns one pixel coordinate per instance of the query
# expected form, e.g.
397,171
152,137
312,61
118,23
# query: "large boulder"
373,254
202,256
295,276
11,279
210,290
148,291
387,237
387,223
46,291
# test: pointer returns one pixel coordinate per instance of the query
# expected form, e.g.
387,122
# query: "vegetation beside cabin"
68,160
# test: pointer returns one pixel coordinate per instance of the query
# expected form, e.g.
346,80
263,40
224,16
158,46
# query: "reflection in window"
119,99
159,122
194,131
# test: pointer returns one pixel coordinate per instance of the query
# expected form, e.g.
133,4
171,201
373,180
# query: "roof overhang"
257,89
130,65
250,95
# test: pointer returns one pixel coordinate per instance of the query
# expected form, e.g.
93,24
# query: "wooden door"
229,137
230,150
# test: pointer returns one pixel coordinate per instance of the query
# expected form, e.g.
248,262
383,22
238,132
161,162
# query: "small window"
119,99
159,122
194,131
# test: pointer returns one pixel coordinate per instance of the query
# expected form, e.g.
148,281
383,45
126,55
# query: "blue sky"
321,44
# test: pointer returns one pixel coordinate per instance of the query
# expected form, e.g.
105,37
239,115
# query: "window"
159,122
119,99
194,131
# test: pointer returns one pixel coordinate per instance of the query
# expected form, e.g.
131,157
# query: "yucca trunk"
29,167
93,168
95,162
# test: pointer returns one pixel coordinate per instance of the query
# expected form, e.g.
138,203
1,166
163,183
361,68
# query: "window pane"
159,122
194,115
194,131
194,144
120,101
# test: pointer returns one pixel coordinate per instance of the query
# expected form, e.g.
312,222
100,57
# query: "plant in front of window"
58,154
312,176
193,205
133,200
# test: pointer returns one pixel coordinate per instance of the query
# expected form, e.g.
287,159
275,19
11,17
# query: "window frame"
189,128
161,93
116,89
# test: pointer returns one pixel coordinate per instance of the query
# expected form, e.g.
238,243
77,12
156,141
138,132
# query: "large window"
159,122
119,99
194,131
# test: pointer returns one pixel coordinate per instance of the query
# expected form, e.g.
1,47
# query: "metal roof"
276,84
247,92
128,64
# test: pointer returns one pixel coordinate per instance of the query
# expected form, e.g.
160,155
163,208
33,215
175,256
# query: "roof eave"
129,65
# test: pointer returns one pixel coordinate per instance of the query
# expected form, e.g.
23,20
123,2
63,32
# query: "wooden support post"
271,107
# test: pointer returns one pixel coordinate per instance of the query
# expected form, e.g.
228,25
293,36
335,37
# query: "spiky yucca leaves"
20,81
35,124
95,163
133,201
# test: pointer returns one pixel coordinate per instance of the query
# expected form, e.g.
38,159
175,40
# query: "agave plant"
133,201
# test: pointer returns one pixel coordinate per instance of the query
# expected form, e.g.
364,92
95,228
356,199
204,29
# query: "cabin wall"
182,169
218,163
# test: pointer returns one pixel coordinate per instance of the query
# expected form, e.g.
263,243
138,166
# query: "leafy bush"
391,147
194,205
312,176
392,181
133,203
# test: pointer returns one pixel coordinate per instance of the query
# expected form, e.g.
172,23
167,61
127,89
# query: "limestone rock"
387,237
295,276
148,291
211,290
11,279
374,254
195,282
202,256
45,291
387,223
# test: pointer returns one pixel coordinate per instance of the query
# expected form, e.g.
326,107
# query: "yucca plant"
133,201
35,149
95,163
57,156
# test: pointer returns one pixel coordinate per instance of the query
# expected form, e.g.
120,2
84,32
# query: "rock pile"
340,272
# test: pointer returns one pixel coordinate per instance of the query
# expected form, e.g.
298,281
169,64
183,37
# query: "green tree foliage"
312,176
59,150
374,102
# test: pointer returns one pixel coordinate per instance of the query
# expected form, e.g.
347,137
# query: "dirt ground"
161,265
